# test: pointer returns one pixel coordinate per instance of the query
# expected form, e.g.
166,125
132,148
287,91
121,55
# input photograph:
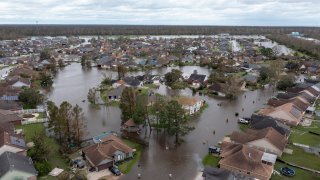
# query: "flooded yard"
161,157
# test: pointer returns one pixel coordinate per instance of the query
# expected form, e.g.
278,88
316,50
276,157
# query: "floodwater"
161,157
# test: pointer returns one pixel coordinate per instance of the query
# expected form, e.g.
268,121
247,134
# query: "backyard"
126,167
301,158
300,174
55,159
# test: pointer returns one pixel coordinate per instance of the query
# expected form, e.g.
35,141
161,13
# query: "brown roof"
8,127
130,123
98,152
313,91
270,134
184,100
244,158
9,116
9,139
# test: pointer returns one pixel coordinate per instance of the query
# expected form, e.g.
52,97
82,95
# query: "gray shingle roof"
11,161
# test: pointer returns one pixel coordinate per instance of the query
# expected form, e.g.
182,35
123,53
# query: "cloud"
181,12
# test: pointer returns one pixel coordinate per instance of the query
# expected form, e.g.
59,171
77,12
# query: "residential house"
259,122
130,126
16,166
105,62
18,82
105,154
10,116
12,143
287,113
196,79
242,159
216,88
190,104
211,173
115,94
8,93
10,105
250,79
267,140
128,82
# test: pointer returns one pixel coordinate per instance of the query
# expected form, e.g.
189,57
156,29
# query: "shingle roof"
268,133
12,161
98,152
245,158
260,122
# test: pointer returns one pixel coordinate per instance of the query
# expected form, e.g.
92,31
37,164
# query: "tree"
176,120
68,123
2,54
65,113
292,65
92,96
46,79
128,103
268,52
55,122
45,54
285,82
122,70
41,150
266,73
232,88
61,63
78,125
84,58
277,67
30,98
172,77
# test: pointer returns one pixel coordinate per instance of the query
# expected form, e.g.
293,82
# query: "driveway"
100,174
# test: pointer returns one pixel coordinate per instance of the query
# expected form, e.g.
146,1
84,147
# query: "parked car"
79,163
244,120
115,171
287,171
214,150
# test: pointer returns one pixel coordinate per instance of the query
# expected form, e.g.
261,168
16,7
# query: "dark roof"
216,87
117,91
197,77
288,95
260,122
12,161
132,81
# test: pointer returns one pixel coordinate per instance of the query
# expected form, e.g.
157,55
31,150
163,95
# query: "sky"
162,12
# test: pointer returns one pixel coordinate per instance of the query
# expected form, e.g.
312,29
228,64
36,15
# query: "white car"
244,120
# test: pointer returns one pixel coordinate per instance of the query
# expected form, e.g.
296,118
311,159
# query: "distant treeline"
17,31
307,47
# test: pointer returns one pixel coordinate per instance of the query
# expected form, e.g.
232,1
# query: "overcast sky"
159,12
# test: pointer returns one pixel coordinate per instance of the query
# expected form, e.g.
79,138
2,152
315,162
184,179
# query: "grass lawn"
41,115
152,86
301,158
127,166
300,174
55,159
301,135
210,160
304,137
243,127
144,91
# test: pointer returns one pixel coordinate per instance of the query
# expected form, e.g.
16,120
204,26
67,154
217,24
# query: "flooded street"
161,157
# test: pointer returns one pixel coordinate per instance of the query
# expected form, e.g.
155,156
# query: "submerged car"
115,171
214,150
244,120
287,171
79,163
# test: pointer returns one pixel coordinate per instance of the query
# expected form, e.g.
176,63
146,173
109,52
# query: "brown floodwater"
161,157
